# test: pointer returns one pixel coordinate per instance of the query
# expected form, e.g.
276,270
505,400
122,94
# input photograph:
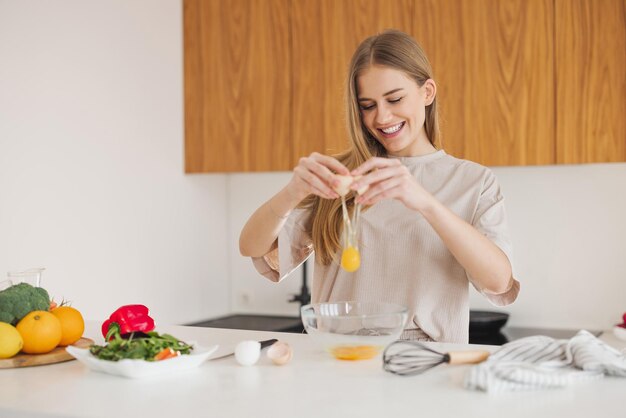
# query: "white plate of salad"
144,355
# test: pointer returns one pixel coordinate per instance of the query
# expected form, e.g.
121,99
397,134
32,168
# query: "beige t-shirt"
403,260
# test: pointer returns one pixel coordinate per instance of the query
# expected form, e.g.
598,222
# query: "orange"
41,332
72,324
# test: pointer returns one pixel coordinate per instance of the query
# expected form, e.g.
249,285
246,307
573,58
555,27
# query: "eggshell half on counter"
280,353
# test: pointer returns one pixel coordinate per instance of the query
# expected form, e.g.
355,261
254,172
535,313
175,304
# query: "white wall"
250,291
92,183
569,235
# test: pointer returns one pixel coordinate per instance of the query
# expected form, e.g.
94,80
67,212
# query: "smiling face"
393,110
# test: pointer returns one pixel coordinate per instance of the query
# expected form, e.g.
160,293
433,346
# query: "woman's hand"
387,178
315,174
480,257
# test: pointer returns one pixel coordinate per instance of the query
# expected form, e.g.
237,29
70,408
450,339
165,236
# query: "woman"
432,222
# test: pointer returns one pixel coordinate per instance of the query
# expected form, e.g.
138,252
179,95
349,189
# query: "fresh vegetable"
19,300
11,341
166,353
41,332
72,324
149,346
129,318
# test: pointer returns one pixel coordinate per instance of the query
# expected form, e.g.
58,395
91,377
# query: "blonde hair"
393,49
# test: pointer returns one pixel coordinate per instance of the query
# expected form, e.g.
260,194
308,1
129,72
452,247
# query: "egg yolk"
361,352
350,259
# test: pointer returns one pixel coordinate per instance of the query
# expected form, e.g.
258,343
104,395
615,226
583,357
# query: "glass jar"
31,276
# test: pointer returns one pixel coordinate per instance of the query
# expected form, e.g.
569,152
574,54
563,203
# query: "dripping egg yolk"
350,259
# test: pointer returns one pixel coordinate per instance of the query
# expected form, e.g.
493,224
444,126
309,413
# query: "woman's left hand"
387,178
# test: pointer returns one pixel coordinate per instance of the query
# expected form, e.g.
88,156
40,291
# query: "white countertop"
312,385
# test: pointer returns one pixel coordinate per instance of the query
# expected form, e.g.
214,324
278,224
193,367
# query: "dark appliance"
488,327
257,322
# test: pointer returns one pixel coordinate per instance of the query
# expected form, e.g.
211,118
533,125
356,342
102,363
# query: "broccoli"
20,299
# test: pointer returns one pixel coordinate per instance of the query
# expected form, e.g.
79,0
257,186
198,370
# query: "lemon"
10,340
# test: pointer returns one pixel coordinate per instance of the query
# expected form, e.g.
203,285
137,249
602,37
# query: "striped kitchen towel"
541,362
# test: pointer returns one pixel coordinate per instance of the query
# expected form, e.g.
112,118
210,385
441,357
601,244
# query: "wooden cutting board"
58,355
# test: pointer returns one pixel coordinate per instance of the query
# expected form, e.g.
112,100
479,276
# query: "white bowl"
132,368
619,332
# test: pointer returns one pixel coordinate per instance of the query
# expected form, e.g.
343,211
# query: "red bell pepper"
129,318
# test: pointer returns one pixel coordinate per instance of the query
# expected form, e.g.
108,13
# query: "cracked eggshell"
343,187
280,353
247,353
363,189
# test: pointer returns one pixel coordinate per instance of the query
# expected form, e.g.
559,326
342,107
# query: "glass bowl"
354,330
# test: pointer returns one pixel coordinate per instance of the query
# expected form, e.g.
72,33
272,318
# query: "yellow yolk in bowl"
361,352
350,259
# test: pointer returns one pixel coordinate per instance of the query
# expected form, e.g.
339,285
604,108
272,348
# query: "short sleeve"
294,247
490,219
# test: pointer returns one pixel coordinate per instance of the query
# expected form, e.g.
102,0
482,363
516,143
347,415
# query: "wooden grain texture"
493,63
58,355
591,80
237,85
325,34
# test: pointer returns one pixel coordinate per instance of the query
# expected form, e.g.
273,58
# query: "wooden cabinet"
237,85
325,33
521,82
495,74
591,80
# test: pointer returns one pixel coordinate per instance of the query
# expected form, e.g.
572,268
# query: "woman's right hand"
315,174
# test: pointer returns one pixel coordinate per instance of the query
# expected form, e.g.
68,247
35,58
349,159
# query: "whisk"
407,358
